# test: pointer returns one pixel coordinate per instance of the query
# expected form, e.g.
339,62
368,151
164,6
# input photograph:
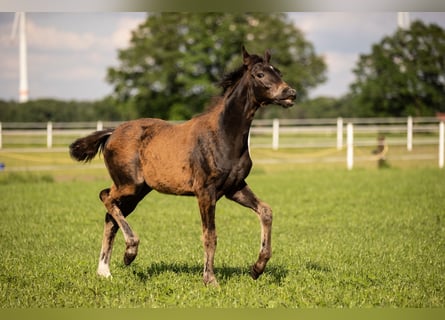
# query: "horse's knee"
265,214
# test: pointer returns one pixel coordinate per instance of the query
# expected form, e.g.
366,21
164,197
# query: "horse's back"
130,133
122,150
150,150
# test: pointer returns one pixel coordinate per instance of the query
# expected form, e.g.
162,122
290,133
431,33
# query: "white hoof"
103,270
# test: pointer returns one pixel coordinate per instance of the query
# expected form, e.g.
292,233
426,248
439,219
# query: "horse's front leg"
247,198
207,204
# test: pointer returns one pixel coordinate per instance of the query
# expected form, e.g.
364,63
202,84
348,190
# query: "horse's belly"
168,173
170,183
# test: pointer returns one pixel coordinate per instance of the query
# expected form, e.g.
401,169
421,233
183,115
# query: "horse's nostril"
291,92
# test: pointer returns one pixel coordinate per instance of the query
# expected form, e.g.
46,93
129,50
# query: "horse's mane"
230,79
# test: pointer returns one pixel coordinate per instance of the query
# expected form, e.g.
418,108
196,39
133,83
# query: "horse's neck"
239,107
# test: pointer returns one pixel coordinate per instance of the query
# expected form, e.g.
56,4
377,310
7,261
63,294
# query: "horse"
206,157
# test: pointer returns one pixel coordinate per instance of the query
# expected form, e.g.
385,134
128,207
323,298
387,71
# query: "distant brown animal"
206,157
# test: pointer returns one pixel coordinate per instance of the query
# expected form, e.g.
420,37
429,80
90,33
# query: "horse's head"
268,85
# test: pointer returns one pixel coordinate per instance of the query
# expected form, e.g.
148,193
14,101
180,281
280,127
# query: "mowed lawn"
360,238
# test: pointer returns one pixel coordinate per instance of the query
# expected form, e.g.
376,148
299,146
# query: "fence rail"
339,134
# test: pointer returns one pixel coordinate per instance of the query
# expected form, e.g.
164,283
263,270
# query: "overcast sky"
68,53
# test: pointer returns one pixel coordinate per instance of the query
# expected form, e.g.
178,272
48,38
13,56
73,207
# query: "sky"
69,53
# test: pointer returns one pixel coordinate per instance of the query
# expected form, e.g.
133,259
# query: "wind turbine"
20,24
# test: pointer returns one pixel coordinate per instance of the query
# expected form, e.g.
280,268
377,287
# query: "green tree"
403,75
42,110
175,60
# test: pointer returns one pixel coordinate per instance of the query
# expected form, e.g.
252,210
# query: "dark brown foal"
206,157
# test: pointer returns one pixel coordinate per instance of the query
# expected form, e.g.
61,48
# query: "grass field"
341,238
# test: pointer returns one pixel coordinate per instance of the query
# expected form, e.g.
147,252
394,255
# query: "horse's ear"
246,56
267,56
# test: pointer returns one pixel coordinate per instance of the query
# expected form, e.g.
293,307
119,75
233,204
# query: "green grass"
340,239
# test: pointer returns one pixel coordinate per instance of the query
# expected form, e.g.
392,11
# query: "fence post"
99,125
409,134
441,144
49,134
349,146
275,134
1,135
339,133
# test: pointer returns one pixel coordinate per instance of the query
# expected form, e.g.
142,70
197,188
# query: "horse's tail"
85,149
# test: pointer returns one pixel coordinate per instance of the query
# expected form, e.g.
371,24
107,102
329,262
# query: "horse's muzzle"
286,97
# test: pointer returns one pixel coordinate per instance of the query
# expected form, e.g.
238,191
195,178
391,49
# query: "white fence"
359,132
276,134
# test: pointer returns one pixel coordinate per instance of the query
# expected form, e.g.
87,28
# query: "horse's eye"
260,75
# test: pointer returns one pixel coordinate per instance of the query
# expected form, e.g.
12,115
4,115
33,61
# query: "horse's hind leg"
119,203
110,230
247,198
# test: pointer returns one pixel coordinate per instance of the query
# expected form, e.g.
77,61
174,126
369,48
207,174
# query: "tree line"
174,61
43,110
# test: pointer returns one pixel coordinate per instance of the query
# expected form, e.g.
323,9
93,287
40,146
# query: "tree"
403,75
42,110
175,59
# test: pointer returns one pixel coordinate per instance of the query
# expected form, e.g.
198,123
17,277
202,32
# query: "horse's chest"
237,171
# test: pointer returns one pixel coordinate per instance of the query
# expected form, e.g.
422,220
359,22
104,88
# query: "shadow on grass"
224,273
315,266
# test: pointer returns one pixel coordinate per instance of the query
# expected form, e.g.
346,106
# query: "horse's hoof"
129,257
103,270
210,281
131,252
254,273
105,276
